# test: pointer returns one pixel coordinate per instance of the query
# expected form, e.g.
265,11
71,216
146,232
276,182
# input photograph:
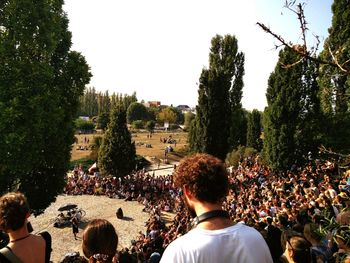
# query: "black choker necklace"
18,239
208,215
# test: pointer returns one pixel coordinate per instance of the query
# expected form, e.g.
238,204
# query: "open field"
141,140
104,207
95,207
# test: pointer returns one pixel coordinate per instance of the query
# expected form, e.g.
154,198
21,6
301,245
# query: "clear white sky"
159,47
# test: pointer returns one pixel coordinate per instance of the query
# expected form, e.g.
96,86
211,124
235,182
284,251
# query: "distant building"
152,104
184,108
85,118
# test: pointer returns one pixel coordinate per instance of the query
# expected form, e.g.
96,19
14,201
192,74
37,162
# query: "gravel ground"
95,207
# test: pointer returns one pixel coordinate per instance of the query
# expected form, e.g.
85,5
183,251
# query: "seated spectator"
23,246
119,213
342,237
320,249
100,241
297,250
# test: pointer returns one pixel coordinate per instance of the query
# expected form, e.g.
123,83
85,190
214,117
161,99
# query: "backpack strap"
48,241
7,252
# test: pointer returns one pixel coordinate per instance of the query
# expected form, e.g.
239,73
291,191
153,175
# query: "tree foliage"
81,124
189,116
216,125
167,115
93,103
254,129
334,82
40,83
150,125
117,152
291,119
137,111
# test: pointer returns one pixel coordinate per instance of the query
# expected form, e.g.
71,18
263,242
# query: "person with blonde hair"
100,242
23,246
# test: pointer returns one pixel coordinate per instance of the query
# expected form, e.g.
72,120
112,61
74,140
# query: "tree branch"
302,49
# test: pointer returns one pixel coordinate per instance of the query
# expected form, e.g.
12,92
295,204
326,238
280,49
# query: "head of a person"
205,176
14,210
298,250
100,241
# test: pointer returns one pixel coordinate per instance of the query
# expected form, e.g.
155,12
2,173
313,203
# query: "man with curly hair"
203,180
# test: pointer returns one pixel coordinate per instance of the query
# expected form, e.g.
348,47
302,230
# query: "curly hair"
13,211
205,175
100,241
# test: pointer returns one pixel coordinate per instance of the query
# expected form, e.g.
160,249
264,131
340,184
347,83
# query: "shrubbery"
233,158
83,125
138,124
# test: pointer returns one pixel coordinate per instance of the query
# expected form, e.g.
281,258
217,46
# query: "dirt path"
96,207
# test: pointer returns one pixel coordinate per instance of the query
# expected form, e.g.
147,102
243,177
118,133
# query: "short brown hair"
13,211
99,237
205,175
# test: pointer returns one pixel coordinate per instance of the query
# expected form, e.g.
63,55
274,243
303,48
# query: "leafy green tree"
189,116
254,130
104,103
153,113
117,152
136,111
238,127
150,125
217,99
292,112
334,82
103,120
179,115
138,124
88,103
81,124
41,80
167,115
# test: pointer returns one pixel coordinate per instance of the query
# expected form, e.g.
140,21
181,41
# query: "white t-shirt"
238,244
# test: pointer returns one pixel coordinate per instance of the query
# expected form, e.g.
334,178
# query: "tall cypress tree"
254,130
117,152
292,104
210,131
335,84
40,83
238,125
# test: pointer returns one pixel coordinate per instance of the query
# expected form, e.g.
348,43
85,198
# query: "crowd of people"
303,215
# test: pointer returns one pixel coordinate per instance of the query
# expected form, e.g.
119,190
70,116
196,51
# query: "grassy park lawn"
153,154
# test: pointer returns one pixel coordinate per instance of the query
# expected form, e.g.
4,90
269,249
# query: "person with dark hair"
273,240
204,183
75,226
100,241
298,250
119,213
23,246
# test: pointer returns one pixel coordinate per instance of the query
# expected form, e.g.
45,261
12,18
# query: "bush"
137,124
233,158
173,126
85,162
95,147
83,125
150,125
